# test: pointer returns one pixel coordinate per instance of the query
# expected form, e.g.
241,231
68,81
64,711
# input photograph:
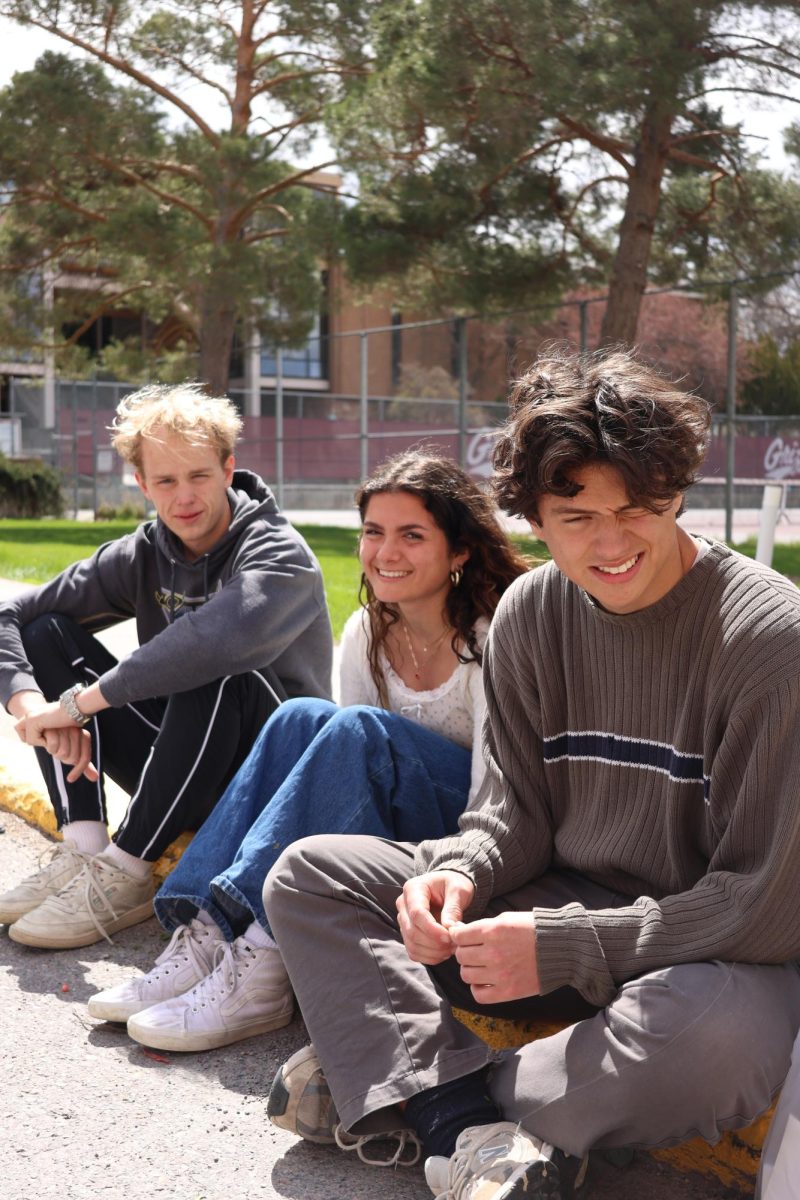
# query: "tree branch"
488,187
187,68
47,258
121,64
251,239
612,146
167,197
55,197
112,301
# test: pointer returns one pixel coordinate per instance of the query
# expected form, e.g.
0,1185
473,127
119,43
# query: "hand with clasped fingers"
47,726
496,955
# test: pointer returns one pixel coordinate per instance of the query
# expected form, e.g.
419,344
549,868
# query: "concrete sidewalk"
709,522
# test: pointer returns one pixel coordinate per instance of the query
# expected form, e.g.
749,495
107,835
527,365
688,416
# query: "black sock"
441,1113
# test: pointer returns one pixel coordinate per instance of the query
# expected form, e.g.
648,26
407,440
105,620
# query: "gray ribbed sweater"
658,754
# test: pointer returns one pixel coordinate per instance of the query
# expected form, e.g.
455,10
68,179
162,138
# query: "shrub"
129,511
29,489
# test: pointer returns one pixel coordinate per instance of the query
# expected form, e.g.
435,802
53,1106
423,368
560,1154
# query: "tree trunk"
217,325
629,272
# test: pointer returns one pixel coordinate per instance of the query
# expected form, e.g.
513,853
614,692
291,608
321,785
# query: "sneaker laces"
184,943
222,977
462,1171
405,1139
49,858
89,882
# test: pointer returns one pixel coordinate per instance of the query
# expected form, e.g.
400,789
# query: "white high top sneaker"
188,958
248,992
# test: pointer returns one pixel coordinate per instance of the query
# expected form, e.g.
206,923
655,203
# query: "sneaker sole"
538,1181
282,1112
43,941
193,1042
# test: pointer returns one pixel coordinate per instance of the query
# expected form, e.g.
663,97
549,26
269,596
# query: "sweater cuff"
21,681
112,689
569,954
458,855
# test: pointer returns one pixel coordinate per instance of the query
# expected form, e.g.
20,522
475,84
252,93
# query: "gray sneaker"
59,865
188,958
495,1162
97,902
300,1101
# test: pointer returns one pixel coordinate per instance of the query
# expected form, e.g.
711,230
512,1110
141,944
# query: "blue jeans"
314,768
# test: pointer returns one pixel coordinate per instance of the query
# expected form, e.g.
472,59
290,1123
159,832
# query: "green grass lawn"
35,551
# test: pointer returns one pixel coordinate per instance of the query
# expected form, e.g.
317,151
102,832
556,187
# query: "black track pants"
174,755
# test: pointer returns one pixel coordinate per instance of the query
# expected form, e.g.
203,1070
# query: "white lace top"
455,709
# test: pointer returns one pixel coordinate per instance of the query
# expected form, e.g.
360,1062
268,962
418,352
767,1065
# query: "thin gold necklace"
426,650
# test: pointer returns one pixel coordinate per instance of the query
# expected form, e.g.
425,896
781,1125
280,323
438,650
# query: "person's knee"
325,864
41,634
737,1019
300,714
301,867
363,725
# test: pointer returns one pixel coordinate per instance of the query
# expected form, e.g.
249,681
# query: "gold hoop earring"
455,576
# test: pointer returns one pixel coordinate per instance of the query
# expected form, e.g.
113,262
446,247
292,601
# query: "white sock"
129,863
90,837
205,918
258,936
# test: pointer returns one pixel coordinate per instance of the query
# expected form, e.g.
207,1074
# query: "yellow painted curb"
32,806
733,1160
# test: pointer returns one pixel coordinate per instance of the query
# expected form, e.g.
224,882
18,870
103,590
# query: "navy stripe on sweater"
627,752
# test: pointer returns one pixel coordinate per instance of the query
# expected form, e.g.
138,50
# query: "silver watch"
70,707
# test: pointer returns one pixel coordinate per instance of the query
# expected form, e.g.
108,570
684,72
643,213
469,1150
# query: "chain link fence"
319,419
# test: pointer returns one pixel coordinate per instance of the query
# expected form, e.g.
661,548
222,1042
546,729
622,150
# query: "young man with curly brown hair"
631,863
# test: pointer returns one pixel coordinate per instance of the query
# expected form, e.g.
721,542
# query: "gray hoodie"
256,599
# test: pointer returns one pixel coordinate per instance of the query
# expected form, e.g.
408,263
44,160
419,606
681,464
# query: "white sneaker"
188,958
495,1162
248,992
98,901
63,862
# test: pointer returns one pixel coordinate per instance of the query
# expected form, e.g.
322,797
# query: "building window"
309,361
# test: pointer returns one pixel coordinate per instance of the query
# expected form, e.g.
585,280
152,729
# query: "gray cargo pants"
688,1050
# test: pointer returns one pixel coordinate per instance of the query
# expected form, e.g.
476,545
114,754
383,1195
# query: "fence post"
94,444
463,368
771,505
730,413
75,480
279,479
364,407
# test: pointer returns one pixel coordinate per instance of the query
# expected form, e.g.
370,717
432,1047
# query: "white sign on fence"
10,435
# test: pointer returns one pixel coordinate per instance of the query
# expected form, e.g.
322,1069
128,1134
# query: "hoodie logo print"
174,603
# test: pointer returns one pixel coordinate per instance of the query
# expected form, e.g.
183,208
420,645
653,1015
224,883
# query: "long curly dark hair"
468,520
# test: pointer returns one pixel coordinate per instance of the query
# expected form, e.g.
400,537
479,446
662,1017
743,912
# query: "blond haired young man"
231,618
